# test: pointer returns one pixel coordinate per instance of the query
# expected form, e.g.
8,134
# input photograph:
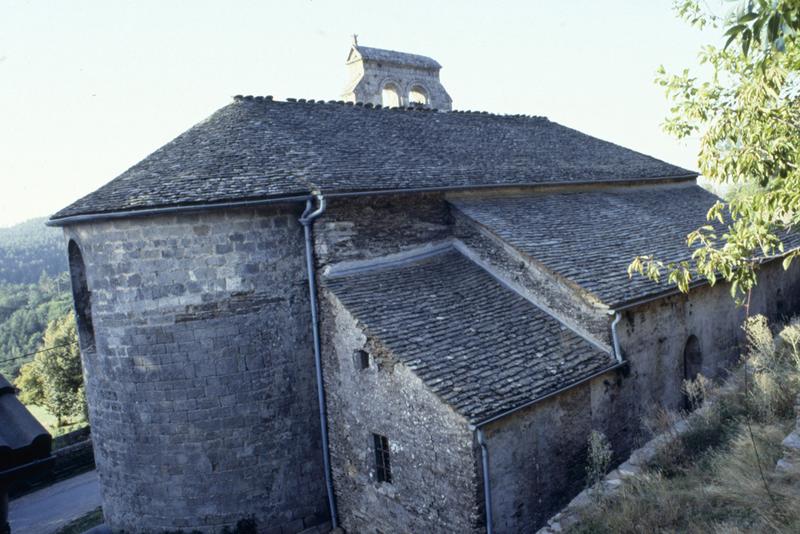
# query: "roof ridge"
514,287
397,57
367,105
389,261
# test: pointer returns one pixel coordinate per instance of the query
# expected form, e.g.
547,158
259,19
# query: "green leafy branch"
747,113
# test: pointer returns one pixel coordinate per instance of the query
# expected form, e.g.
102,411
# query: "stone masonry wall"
376,400
201,390
653,336
537,469
435,482
537,457
365,228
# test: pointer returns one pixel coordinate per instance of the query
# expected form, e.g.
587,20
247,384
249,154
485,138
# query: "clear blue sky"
90,87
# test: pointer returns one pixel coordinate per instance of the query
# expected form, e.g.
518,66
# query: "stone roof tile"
481,347
398,58
257,148
590,237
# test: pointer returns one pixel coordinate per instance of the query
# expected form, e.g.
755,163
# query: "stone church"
382,314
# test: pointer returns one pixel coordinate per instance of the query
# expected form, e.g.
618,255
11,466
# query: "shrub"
718,475
598,458
54,379
773,368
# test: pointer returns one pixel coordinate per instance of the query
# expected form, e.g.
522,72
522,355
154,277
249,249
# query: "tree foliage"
54,378
25,311
747,114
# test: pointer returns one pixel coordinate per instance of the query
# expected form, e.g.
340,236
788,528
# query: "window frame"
361,359
382,450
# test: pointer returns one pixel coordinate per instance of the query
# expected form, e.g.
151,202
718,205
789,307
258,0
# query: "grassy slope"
721,492
48,420
720,477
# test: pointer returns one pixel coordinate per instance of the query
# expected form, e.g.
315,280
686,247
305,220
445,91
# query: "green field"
49,421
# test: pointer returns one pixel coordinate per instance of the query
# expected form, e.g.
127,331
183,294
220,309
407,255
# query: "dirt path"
47,510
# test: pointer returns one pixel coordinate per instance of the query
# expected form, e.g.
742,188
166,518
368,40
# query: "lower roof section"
590,237
481,347
22,437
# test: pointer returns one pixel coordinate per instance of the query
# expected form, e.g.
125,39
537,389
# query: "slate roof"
397,58
259,148
22,437
590,237
479,346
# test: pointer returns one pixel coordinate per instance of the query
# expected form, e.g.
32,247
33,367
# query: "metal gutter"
632,303
93,217
307,220
625,305
478,427
169,210
552,394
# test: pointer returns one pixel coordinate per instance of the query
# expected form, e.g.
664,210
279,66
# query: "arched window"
390,96
692,365
418,95
81,297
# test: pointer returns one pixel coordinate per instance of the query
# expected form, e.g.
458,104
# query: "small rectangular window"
383,468
361,359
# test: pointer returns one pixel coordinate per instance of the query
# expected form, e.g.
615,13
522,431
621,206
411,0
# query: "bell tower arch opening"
390,95
418,95
390,78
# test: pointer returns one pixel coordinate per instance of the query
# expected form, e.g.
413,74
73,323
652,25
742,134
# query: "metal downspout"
487,489
307,220
615,337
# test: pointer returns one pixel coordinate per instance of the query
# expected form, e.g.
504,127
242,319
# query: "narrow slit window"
82,297
383,468
361,359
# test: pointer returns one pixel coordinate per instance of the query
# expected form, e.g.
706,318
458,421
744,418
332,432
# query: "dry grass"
719,477
83,523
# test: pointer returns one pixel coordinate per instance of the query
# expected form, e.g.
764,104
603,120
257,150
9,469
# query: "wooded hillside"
29,249
34,289
25,311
